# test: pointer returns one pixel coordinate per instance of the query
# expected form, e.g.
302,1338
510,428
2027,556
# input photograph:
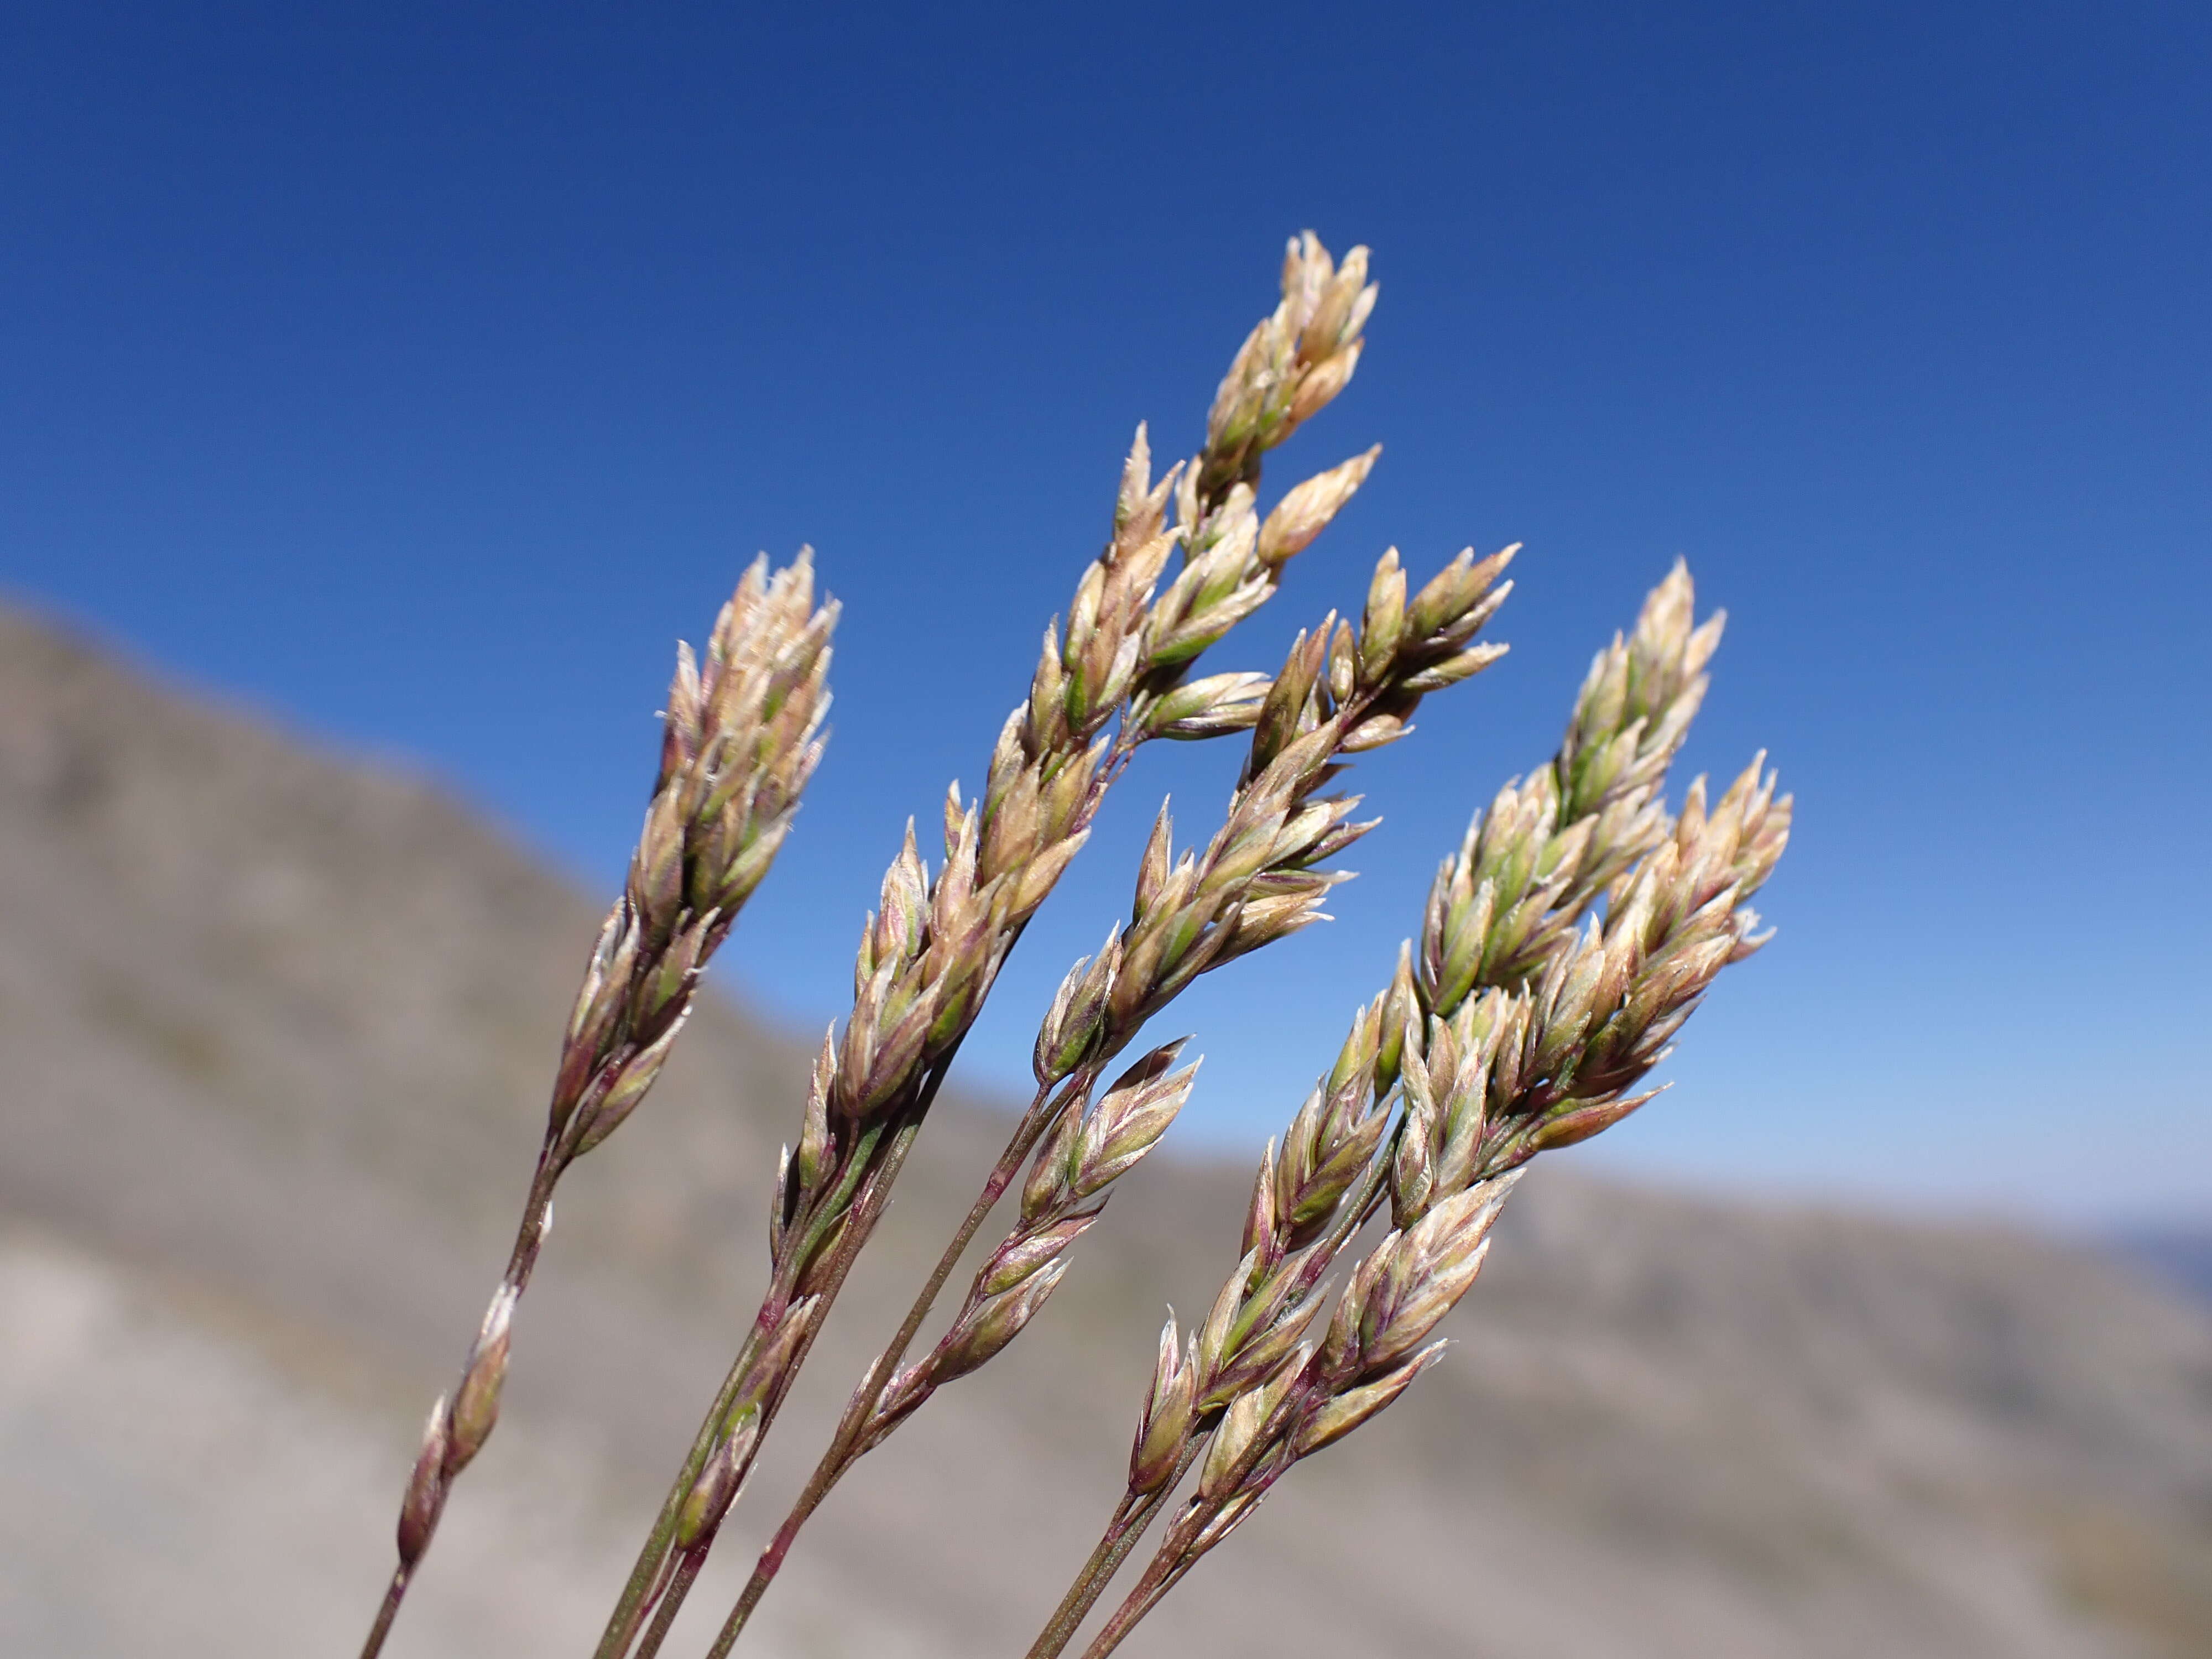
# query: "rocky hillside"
274,1030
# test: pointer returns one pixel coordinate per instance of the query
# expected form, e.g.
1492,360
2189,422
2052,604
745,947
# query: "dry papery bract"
1563,945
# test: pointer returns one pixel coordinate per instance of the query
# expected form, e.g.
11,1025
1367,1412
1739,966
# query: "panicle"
1551,845
741,736
1294,362
1520,1023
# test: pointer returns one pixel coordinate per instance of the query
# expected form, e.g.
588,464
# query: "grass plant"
1564,944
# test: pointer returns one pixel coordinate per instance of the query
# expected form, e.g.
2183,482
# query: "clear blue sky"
419,374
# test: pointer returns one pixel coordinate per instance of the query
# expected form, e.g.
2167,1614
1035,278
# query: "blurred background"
382,393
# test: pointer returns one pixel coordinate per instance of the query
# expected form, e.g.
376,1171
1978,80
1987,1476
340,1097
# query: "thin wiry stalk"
1124,664
1138,1509
1595,1021
754,1392
1131,1517
387,1610
688,1563
842,1454
740,741
1160,1575
864,1426
701,1493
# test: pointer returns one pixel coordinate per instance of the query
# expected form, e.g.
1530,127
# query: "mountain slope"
275,1030
2180,1254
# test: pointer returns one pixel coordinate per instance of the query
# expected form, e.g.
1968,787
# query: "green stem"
1134,1516
1131,1516
1156,1583
629,1610
686,1570
1174,1558
861,1191
845,1443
